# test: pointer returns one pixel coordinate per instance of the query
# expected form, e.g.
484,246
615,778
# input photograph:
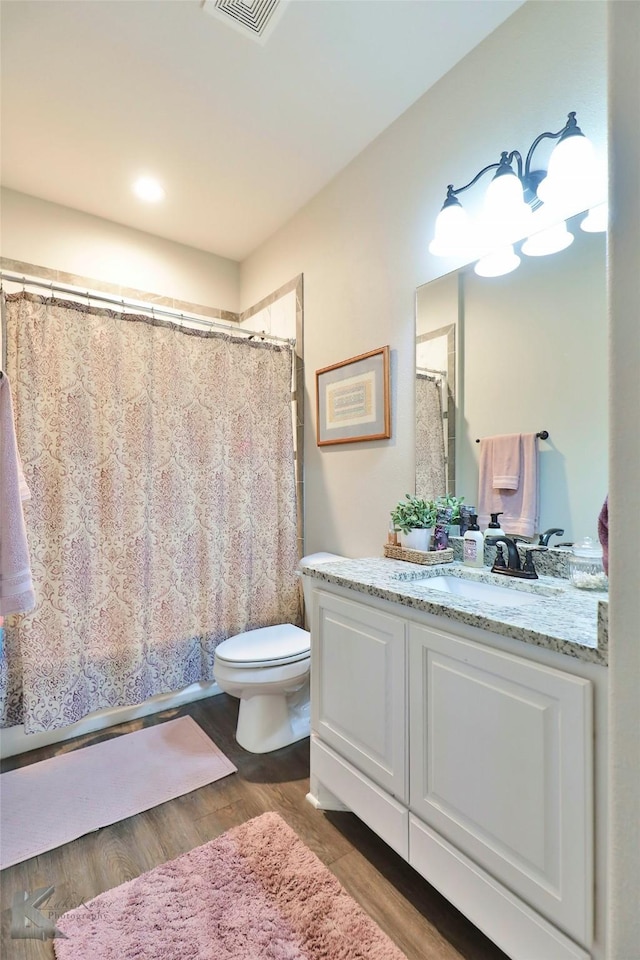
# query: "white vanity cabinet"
474,762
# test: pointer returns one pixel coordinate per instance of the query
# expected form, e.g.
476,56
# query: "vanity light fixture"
522,202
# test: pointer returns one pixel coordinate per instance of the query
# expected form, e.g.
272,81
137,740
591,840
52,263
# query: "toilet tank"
315,558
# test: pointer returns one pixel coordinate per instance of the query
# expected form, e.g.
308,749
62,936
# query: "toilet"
268,670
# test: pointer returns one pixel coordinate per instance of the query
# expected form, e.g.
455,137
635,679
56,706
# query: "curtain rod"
131,305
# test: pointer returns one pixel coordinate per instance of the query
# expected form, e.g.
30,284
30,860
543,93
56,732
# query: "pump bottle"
473,544
494,529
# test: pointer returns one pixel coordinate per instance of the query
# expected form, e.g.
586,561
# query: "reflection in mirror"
531,355
431,392
436,313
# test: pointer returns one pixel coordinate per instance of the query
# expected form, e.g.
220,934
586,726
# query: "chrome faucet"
513,567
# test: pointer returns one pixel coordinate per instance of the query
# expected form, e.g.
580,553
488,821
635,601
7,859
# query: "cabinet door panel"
501,765
358,699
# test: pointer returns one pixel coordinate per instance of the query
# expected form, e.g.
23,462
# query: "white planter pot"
417,539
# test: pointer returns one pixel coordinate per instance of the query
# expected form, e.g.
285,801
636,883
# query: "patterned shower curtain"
163,514
430,476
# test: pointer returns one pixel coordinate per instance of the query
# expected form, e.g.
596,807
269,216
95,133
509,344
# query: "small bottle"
392,536
441,534
494,529
473,546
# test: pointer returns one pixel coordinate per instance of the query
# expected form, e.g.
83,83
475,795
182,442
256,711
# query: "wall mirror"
517,354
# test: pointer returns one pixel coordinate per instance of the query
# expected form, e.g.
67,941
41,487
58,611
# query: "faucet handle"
528,567
499,561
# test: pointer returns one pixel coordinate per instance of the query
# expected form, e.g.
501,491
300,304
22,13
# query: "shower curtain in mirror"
430,475
162,516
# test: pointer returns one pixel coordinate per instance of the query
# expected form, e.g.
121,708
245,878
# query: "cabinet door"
501,766
358,688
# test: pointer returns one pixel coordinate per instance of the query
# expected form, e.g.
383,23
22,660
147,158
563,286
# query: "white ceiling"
96,92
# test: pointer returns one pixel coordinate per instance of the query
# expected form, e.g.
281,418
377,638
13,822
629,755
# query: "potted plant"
415,518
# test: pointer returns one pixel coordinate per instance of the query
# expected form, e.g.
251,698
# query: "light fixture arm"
505,160
528,177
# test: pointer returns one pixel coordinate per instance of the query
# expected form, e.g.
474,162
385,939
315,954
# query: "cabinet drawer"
358,688
512,925
386,817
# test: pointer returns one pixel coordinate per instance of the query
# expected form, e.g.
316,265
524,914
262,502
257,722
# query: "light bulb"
552,240
506,217
452,234
504,194
572,182
596,221
498,263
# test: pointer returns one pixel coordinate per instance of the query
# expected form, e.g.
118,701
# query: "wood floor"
413,914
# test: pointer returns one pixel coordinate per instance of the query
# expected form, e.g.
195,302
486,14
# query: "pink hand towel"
16,586
505,452
519,507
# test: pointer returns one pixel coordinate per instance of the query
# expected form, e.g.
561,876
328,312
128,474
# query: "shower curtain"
430,473
162,516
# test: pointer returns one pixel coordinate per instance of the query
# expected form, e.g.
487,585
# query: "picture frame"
352,399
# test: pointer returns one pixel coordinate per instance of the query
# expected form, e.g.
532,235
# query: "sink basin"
480,591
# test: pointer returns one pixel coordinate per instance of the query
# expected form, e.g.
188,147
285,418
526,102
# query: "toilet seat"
265,647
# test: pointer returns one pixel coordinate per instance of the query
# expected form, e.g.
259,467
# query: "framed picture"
352,399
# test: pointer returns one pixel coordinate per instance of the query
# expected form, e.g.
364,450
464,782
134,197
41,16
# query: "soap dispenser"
494,529
473,545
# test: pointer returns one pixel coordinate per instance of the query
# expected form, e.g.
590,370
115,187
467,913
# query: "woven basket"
418,556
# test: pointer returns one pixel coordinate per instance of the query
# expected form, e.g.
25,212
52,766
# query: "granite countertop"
562,618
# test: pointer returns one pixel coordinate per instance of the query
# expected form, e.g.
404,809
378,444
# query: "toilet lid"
267,646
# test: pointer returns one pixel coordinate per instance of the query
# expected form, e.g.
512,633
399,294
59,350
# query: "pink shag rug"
254,893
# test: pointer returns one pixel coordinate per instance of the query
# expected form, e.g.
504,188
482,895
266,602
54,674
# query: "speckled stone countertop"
562,618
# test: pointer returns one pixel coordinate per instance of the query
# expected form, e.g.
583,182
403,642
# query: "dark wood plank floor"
413,914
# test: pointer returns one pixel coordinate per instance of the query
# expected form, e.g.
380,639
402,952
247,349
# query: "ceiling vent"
252,18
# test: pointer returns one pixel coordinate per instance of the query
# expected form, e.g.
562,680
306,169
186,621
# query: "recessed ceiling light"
149,189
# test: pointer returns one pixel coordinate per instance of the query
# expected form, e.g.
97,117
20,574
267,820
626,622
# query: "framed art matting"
352,399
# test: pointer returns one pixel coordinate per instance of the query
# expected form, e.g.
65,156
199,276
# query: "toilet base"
265,723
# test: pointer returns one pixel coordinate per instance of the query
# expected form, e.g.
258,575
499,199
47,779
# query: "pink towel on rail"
16,586
519,506
506,461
